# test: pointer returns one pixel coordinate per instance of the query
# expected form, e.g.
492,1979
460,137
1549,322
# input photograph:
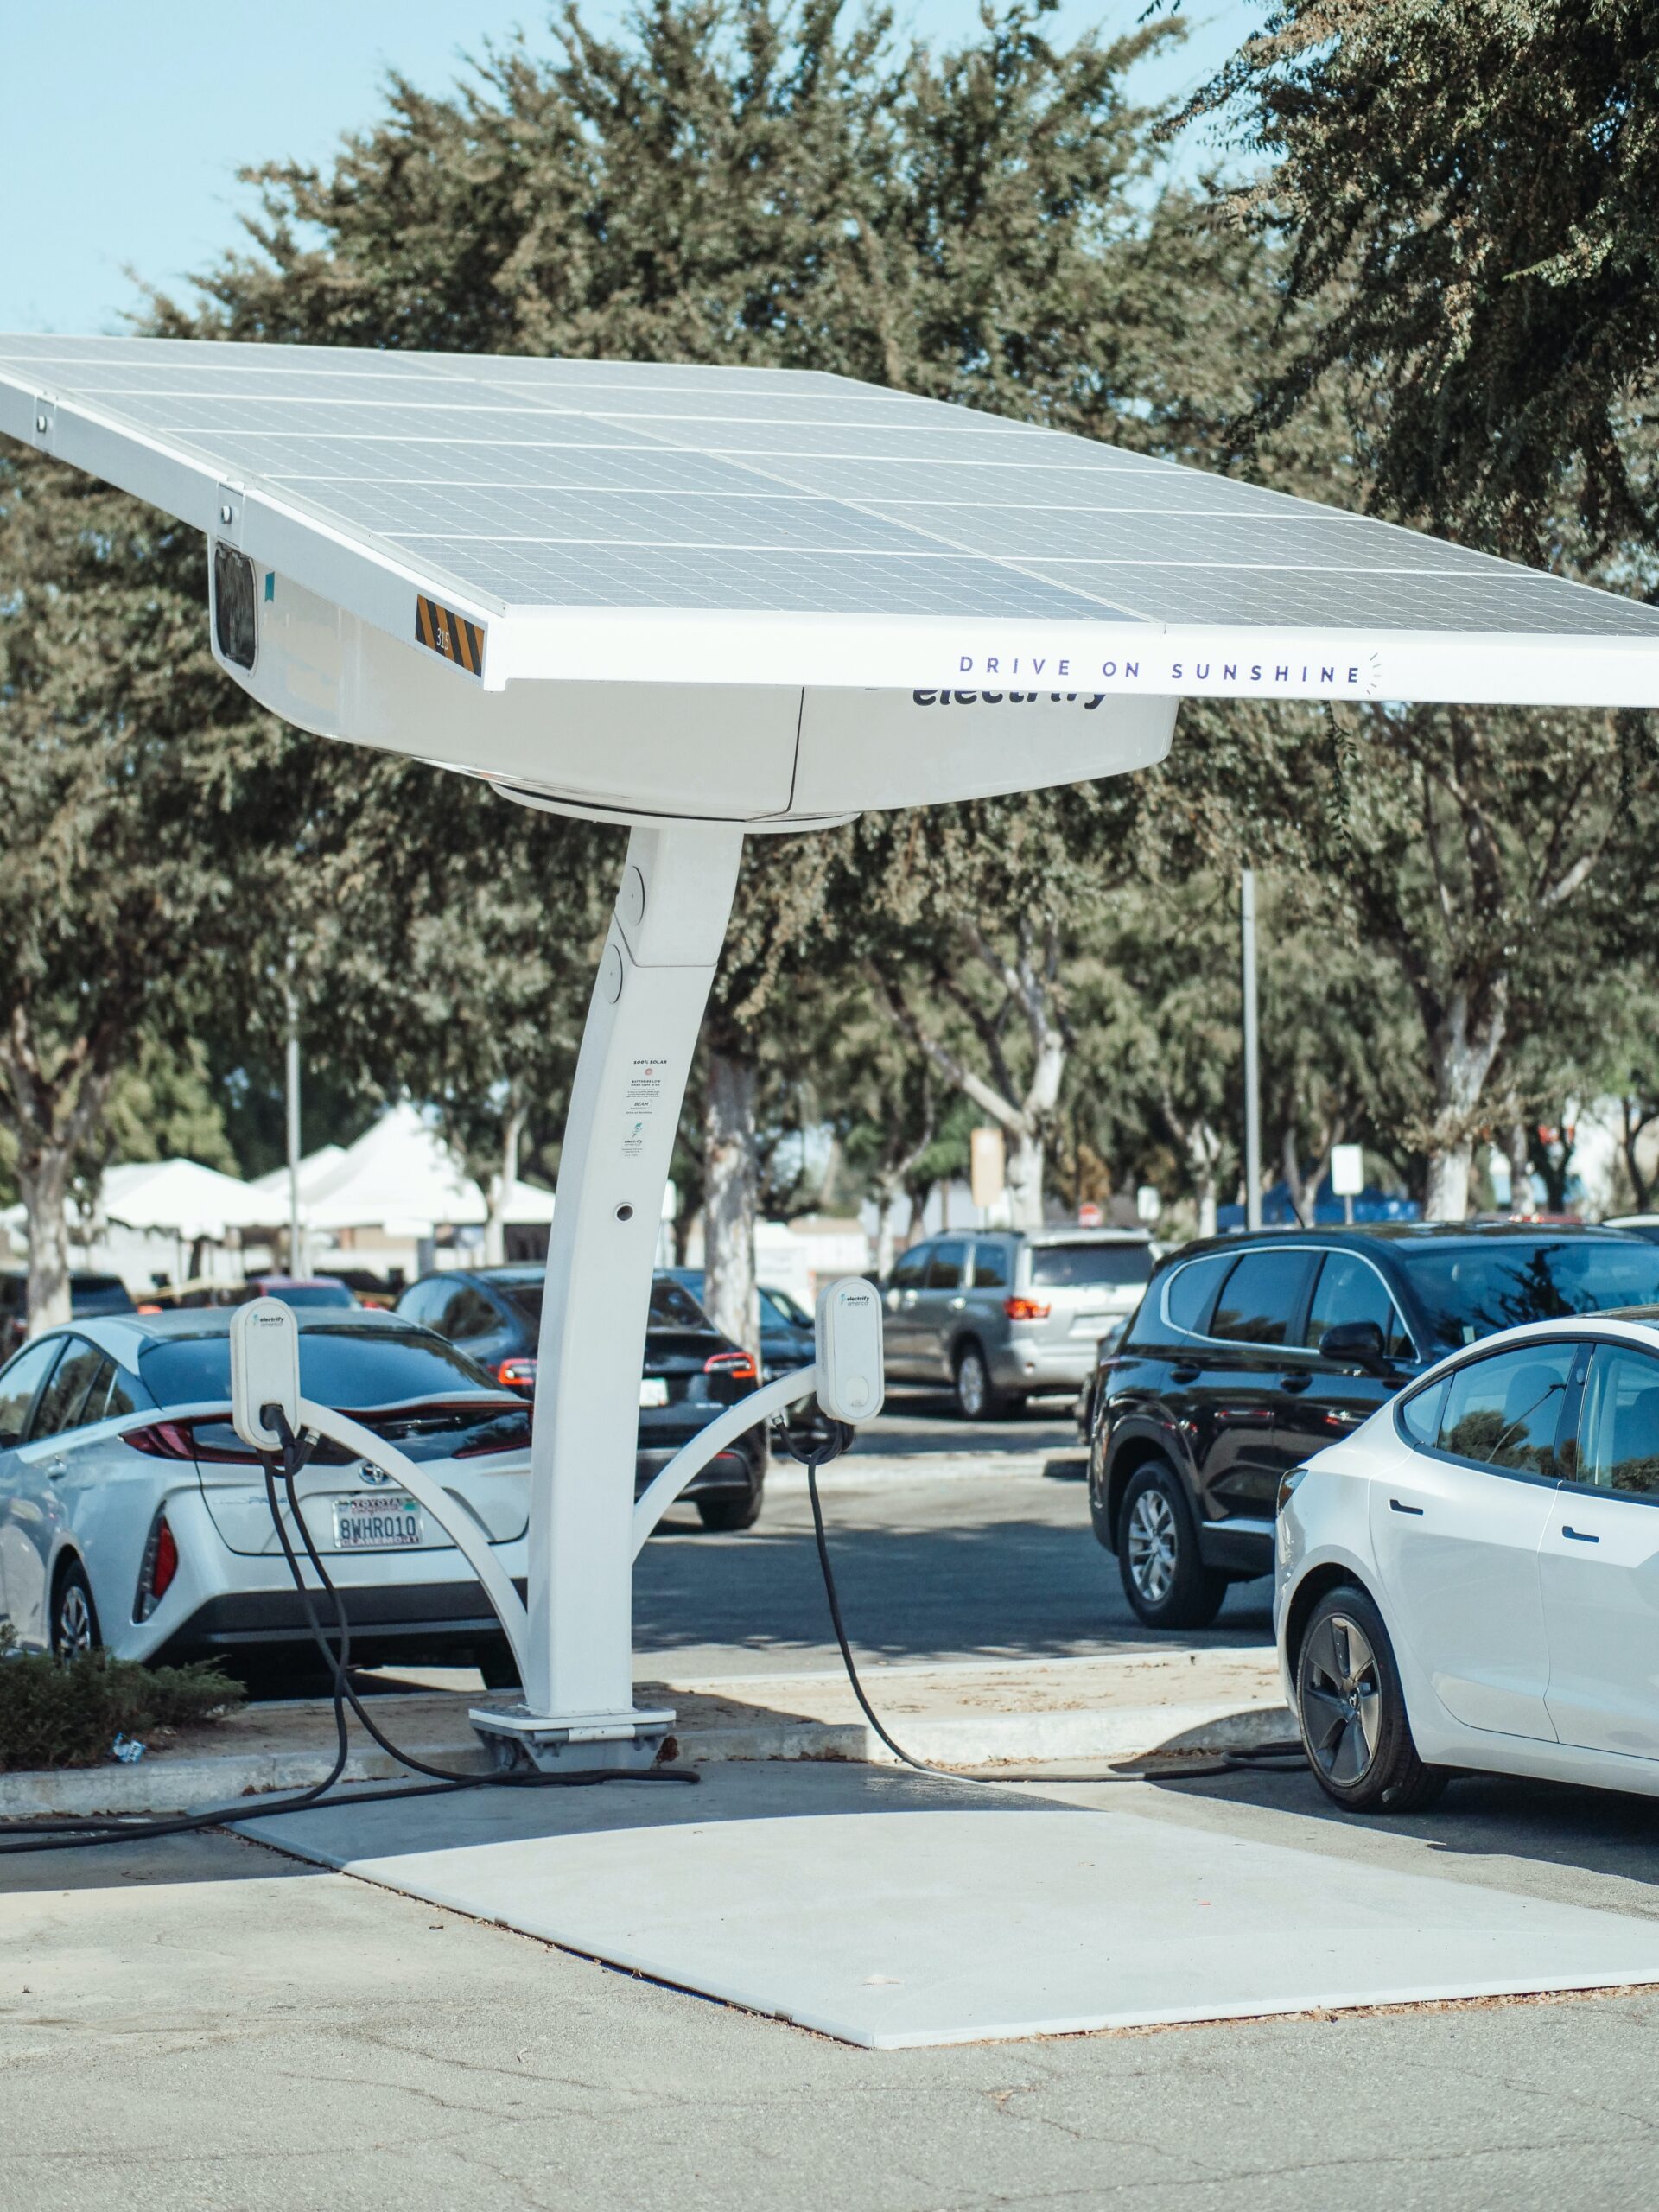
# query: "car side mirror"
1356,1344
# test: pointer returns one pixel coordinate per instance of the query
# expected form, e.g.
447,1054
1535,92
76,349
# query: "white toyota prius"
132,1515
1471,1580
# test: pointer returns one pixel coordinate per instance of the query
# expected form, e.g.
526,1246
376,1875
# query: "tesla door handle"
1395,1506
1183,1374
1296,1382
1578,1535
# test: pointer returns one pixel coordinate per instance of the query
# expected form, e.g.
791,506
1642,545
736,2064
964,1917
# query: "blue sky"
125,123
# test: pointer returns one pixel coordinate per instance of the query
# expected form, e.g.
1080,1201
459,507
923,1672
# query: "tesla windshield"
1469,1290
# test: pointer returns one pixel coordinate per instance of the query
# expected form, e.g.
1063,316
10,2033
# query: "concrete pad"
890,1910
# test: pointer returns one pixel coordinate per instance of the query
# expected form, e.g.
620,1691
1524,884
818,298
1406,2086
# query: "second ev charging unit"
713,603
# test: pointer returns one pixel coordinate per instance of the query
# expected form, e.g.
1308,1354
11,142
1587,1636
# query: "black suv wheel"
1165,1580
1352,1711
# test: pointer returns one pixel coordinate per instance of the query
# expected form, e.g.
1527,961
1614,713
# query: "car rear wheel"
74,1617
977,1396
732,1510
1165,1580
1352,1711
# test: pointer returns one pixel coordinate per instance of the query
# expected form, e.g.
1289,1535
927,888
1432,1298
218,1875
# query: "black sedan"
692,1373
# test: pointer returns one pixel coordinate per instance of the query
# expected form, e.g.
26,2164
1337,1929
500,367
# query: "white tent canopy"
179,1195
399,1178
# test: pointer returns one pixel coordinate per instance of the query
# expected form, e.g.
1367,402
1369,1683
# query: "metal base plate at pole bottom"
516,1738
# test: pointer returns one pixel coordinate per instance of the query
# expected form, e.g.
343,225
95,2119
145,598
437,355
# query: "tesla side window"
1191,1288
1350,1289
18,1385
1259,1298
1505,1411
1420,1414
65,1396
1618,1425
467,1314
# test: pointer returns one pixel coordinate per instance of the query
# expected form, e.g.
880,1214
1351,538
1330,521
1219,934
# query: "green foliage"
1471,192
54,1714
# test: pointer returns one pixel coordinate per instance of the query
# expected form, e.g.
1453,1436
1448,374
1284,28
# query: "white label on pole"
1148,1204
644,1095
1347,1170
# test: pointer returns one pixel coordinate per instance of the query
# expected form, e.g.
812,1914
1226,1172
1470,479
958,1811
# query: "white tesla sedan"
1471,1579
132,1515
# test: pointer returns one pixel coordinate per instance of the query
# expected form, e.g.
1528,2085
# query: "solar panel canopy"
762,593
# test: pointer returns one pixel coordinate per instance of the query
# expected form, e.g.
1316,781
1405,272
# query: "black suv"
692,1373
1249,1354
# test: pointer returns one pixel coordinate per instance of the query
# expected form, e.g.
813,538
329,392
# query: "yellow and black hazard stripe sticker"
451,634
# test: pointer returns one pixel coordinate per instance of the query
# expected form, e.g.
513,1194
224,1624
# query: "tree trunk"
1446,1196
43,1181
1203,1150
1462,1045
1025,1178
729,1293
501,1185
885,1235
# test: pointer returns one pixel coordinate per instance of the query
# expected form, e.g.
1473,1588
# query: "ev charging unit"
715,603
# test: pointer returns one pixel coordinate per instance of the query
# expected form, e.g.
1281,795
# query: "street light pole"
294,1256
1252,1063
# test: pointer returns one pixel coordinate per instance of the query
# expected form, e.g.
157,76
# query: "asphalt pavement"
951,1540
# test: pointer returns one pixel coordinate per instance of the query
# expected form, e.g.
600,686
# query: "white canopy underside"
643,591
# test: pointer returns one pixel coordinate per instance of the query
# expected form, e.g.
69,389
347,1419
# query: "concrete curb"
174,1785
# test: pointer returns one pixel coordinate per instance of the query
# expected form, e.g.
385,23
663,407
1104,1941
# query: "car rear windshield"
1061,1267
310,1294
1468,1290
672,1306
98,1294
348,1367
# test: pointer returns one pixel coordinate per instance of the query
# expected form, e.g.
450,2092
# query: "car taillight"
162,1440
182,1439
1024,1309
161,1564
516,1375
738,1364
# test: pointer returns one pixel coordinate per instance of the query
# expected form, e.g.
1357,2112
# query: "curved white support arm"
692,1459
450,1515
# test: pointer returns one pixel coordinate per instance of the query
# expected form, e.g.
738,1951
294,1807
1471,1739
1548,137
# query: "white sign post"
1347,1176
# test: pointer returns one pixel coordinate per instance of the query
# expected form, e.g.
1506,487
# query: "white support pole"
708,1444
646,1010
1252,1056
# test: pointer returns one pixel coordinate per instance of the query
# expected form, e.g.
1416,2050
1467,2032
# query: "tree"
743,183
1470,190
142,805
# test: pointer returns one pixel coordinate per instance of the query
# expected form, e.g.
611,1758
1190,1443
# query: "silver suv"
1000,1313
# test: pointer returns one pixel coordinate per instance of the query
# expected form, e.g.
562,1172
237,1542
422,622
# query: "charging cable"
833,1438
81,1832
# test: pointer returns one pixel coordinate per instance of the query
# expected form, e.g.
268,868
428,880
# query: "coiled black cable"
82,1831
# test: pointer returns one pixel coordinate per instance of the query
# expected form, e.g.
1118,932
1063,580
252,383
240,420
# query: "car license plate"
390,1522
653,1391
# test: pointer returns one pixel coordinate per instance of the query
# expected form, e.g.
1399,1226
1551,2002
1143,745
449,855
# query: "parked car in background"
1002,1314
302,1292
1249,1354
132,1515
1645,1226
88,1295
692,1373
1467,1580
788,1334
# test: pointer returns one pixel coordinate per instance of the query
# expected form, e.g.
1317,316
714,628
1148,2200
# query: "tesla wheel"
729,1510
977,1396
1165,1580
74,1617
1353,1712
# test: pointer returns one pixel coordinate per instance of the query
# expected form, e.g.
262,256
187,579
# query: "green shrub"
58,1714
